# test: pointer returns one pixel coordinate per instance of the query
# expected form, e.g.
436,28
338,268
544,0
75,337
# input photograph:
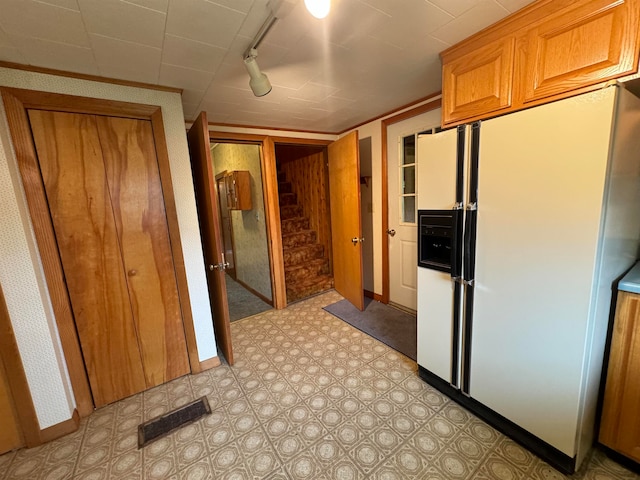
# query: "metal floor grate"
158,427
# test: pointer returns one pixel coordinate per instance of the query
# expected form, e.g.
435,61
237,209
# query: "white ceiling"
366,58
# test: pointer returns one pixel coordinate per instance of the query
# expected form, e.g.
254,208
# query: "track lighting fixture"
258,81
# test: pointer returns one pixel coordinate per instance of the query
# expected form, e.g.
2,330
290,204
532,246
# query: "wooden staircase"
306,266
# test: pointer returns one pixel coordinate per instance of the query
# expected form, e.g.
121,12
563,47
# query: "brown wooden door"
102,187
209,218
10,437
346,226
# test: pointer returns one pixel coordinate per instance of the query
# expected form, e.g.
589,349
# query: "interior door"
402,221
101,179
209,219
10,437
346,226
402,170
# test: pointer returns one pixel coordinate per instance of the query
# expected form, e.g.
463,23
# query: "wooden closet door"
141,224
73,172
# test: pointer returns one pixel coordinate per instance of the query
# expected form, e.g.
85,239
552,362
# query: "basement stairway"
306,266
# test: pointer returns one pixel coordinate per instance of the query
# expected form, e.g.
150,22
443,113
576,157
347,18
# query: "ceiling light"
318,8
258,81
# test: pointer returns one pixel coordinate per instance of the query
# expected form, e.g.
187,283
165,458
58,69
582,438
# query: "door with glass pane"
402,233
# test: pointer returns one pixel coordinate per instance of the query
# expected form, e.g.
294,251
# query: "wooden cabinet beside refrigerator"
620,427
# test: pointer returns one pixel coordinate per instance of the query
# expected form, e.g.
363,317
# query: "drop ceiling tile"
157,5
350,21
203,21
174,76
44,21
190,110
456,8
70,4
408,24
255,18
11,54
289,30
191,54
60,56
126,60
483,14
124,21
314,92
514,5
232,75
239,5
192,96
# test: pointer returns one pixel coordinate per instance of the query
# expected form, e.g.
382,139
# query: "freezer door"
439,298
540,195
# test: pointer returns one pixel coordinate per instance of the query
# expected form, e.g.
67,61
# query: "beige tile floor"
309,397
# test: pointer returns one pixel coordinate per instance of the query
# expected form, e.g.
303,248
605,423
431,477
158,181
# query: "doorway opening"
303,196
241,204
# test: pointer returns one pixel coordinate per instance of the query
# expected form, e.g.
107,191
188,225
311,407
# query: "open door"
209,219
346,226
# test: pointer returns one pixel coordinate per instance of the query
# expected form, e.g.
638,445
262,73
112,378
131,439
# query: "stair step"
285,187
290,211
300,255
291,225
306,288
298,239
287,199
312,268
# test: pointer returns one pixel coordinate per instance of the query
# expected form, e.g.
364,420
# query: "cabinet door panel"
71,162
141,223
478,82
620,426
591,43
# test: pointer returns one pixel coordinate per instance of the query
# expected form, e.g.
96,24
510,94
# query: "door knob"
356,240
132,273
391,233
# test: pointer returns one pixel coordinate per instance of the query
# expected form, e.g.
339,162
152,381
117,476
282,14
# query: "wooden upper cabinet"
479,82
595,42
238,183
548,50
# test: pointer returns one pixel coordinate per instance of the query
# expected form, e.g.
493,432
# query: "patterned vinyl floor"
309,397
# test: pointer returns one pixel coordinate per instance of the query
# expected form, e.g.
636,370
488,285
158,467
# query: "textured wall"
249,228
21,272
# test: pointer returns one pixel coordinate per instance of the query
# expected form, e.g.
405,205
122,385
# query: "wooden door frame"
427,107
270,198
16,102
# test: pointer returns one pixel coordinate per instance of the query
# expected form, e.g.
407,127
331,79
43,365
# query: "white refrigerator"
548,218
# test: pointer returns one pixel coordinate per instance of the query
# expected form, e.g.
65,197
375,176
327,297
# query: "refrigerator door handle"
470,243
456,244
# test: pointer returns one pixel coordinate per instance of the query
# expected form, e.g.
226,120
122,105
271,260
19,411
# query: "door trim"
271,202
427,107
16,102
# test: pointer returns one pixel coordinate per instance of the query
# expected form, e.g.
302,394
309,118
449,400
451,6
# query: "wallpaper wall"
249,227
21,274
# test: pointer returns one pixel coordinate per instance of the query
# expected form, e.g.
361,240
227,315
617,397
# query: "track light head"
258,81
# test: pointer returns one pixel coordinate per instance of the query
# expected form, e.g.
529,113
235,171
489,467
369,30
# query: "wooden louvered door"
105,199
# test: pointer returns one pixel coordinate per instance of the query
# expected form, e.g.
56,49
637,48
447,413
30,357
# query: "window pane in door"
409,149
409,209
409,179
